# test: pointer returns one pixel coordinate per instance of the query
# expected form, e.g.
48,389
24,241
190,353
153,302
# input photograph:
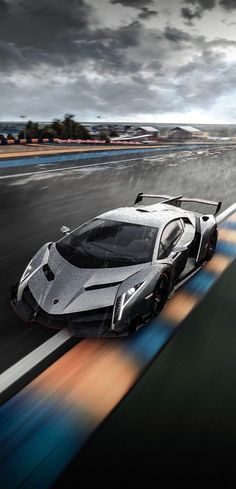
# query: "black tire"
211,245
14,290
160,293
134,325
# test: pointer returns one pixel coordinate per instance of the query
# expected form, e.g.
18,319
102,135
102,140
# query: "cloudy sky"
136,60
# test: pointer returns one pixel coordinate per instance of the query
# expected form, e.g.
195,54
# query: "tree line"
66,128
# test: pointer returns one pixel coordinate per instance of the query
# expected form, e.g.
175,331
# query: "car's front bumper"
93,323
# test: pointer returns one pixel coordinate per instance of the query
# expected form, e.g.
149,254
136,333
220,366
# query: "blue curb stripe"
226,248
148,341
228,225
200,283
59,158
35,454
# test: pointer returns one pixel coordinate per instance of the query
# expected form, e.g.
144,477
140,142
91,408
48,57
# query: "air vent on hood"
48,272
101,286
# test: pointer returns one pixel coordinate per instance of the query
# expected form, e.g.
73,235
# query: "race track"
36,200
51,417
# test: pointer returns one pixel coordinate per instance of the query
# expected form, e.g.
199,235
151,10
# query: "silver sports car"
114,273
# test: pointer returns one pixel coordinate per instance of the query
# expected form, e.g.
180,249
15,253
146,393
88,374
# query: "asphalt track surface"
35,201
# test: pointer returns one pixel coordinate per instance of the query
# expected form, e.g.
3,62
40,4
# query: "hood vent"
48,273
101,286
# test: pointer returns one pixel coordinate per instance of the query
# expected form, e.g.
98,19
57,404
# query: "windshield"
103,243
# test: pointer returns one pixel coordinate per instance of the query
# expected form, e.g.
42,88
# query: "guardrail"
69,141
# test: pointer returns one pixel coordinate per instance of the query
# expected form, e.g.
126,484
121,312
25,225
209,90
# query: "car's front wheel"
160,294
136,322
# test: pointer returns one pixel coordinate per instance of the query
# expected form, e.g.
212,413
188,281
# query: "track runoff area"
48,421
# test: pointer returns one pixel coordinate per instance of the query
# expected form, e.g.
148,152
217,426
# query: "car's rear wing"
177,201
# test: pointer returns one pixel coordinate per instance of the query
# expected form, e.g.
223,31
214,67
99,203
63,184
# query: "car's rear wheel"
211,245
160,294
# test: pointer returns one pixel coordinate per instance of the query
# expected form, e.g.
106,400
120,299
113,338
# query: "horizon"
100,122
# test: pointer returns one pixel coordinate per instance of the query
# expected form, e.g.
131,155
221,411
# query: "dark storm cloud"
44,23
189,15
133,3
146,13
228,4
59,33
108,49
54,56
197,9
204,4
176,35
105,51
43,32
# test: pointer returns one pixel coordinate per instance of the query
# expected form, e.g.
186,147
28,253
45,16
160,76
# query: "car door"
171,234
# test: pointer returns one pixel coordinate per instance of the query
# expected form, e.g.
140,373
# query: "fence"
6,141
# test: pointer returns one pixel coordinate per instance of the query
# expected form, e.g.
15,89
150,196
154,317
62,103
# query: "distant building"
147,131
186,132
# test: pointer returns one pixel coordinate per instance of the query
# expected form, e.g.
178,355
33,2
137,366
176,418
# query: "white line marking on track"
74,168
14,373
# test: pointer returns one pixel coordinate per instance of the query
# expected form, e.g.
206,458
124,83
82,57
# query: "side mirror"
65,229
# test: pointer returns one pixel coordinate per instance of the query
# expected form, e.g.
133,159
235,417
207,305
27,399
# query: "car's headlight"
37,261
29,269
124,299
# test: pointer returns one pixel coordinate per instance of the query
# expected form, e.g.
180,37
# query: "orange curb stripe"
95,375
227,235
218,263
179,306
232,218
